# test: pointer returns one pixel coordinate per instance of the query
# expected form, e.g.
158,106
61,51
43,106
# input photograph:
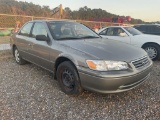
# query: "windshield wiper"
135,34
68,38
72,38
90,37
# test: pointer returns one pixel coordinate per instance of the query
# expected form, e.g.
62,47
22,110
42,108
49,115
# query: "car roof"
52,21
117,26
112,27
147,24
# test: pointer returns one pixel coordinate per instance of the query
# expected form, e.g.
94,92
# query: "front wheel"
68,79
18,57
153,51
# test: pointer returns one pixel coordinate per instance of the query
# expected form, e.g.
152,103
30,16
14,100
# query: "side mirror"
41,38
123,34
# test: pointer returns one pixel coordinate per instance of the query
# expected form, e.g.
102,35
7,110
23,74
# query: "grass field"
4,40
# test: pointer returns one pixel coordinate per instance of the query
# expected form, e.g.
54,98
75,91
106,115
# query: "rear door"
114,34
22,39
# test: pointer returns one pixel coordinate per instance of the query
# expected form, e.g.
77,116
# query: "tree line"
30,9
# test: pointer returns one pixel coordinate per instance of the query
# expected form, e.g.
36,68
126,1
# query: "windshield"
62,30
133,31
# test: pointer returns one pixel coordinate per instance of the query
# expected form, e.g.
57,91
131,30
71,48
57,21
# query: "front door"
40,50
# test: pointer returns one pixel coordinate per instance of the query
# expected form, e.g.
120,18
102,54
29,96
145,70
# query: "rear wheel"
68,79
18,57
153,51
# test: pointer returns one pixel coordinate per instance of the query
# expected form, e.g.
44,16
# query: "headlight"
106,65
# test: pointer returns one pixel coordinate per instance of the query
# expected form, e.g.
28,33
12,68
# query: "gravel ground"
28,92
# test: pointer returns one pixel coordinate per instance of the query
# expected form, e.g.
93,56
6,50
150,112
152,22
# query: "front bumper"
113,84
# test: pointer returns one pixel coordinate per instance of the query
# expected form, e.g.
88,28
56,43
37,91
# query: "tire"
68,79
18,58
153,51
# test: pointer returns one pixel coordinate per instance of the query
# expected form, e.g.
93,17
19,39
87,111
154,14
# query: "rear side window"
25,31
141,28
149,29
156,29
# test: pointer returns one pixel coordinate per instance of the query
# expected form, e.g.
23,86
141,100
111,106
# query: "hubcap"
17,55
152,52
68,80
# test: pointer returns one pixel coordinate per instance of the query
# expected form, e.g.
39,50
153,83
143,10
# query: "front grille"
141,62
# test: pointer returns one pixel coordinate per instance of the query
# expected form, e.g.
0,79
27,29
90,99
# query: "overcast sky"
147,10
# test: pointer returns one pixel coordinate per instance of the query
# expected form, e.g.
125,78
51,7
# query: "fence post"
32,18
100,25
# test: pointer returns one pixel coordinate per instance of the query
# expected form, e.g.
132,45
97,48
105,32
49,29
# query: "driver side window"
114,31
39,29
110,32
104,32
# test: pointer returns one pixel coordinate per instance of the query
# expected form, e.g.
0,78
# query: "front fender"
68,56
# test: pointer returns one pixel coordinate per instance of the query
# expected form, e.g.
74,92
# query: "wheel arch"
60,60
157,47
149,43
13,47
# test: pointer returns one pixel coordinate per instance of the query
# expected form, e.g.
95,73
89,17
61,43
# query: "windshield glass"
133,31
62,30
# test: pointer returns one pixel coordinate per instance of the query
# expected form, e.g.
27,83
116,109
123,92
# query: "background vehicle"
79,58
120,19
150,43
149,28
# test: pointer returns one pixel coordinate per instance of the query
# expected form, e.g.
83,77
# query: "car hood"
105,49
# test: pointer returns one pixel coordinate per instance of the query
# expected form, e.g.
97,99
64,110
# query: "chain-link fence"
93,24
9,21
